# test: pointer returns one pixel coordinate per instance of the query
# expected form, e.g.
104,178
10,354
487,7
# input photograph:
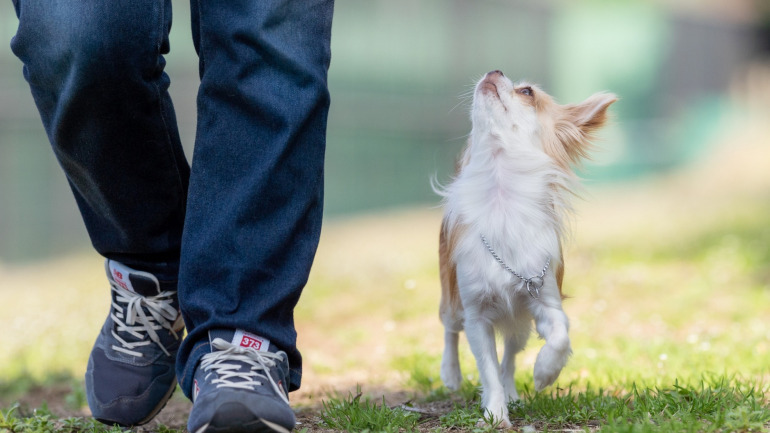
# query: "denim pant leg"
256,191
95,70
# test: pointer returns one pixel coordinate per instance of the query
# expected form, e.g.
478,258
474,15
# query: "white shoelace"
136,322
217,362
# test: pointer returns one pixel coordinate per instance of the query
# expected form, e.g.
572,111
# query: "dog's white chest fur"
512,208
512,188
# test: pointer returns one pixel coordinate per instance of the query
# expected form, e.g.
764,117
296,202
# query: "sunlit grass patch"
356,414
715,403
710,404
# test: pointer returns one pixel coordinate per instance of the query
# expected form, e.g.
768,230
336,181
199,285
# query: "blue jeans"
237,233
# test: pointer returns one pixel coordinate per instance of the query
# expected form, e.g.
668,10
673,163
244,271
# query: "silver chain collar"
533,283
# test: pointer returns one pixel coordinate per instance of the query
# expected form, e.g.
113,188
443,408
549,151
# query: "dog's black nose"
496,72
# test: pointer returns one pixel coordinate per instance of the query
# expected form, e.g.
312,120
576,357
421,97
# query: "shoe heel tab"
140,282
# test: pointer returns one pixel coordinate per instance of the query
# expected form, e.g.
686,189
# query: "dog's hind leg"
451,313
450,361
514,341
552,324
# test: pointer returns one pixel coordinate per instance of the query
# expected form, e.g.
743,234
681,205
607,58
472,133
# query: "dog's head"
514,117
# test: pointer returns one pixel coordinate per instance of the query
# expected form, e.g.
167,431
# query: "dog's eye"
525,91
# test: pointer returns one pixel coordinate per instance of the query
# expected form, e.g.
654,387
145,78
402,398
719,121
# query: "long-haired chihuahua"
500,246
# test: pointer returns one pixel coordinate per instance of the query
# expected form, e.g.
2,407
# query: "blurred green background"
400,76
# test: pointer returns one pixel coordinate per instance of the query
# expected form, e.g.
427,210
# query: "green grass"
713,404
669,314
42,420
362,414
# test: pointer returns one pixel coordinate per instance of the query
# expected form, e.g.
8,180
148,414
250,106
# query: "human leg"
255,200
95,70
256,190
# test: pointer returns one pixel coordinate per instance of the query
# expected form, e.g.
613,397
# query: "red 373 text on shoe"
247,341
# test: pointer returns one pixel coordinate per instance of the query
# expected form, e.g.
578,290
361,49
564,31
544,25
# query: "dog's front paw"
496,417
500,420
548,366
504,424
545,378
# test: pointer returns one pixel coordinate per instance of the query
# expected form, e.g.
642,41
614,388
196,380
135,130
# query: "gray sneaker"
241,387
130,374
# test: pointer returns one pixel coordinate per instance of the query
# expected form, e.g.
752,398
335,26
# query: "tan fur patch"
450,292
559,272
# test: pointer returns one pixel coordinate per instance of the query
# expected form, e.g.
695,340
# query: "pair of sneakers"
241,386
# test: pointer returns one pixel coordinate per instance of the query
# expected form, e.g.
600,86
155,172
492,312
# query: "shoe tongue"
142,283
239,337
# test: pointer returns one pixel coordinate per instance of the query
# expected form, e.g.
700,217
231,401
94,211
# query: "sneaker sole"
258,426
149,417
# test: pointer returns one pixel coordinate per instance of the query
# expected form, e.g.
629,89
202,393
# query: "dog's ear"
576,126
590,114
